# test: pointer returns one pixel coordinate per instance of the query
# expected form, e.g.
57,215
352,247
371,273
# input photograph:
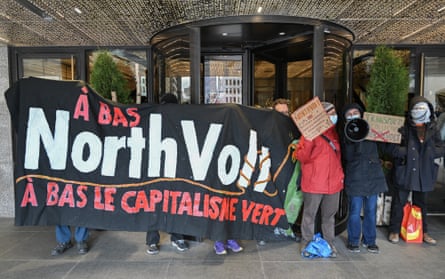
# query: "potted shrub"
106,77
387,90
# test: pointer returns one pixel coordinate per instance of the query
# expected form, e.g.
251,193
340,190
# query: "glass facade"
264,83
433,81
50,68
133,66
223,79
248,62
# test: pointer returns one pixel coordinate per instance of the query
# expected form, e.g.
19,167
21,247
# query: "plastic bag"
317,248
294,196
411,230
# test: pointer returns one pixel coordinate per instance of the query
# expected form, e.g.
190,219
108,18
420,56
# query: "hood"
418,99
351,106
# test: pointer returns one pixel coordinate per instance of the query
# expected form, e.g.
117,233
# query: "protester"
152,241
321,181
415,169
281,105
153,237
364,180
63,237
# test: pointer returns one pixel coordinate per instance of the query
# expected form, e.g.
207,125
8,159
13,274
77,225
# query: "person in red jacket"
321,181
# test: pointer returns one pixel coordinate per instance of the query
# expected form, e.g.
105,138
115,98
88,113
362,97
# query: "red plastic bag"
412,230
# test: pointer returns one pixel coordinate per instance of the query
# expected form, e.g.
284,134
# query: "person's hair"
169,98
280,101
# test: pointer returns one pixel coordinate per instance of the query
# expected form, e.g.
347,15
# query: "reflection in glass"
434,76
132,64
223,79
299,83
264,83
177,79
50,68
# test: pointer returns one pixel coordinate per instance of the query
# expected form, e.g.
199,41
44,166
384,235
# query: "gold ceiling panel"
133,22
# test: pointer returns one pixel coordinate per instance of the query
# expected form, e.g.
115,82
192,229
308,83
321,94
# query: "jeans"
63,234
355,225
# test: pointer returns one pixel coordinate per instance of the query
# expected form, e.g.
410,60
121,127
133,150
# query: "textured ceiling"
133,22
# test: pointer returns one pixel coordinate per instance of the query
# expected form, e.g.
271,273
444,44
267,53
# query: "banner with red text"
213,171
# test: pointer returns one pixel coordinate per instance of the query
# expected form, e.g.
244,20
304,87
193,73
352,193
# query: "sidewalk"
25,253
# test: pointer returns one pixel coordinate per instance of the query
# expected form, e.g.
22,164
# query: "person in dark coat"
364,180
414,168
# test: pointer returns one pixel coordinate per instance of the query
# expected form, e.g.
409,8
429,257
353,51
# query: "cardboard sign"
384,127
311,119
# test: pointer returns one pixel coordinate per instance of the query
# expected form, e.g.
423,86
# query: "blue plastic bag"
317,248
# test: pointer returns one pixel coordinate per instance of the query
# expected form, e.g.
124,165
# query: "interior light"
260,9
282,33
224,34
77,10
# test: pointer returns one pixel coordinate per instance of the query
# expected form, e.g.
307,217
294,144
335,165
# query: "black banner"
213,171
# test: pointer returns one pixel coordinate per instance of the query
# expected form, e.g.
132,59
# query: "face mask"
333,118
355,116
420,113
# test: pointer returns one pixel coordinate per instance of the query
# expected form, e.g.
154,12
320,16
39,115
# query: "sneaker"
261,243
234,246
152,249
353,248
428,239
393,237
334,250
61,248
297,239
372,248
180,245
303,245
220,248
82,247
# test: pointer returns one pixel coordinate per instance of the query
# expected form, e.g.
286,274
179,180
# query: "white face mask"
351,117
420,113
333,118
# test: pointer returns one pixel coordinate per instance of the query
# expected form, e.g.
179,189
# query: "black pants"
153,237
399,200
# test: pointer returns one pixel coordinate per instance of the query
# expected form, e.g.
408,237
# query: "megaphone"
356,130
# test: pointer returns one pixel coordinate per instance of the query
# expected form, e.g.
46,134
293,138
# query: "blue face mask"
333,118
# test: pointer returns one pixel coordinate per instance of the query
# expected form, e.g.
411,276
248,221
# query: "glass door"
434,91
57,68
223,79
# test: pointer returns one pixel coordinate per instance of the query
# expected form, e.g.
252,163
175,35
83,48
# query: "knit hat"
327,106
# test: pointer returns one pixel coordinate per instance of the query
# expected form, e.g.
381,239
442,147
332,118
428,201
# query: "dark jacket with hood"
414,166
363,170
